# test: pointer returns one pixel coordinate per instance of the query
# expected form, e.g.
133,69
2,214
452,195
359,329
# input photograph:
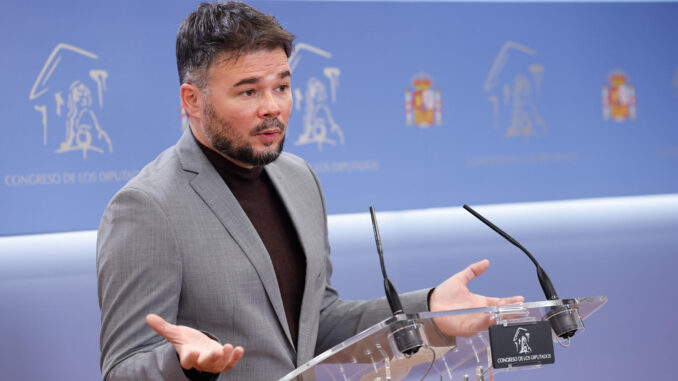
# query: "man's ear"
192,100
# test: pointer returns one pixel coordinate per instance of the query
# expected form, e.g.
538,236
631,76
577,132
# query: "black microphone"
408,339
562,321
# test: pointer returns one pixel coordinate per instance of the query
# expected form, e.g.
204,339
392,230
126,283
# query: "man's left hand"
453,294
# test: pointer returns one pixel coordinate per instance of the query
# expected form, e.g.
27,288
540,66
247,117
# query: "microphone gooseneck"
563,323
407,337
391,293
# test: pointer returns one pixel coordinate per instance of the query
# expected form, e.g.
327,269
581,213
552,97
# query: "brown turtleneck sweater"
259,199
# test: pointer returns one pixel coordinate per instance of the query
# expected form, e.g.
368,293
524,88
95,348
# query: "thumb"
167,330
474,270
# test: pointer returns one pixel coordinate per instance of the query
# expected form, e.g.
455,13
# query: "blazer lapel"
289,190
211,188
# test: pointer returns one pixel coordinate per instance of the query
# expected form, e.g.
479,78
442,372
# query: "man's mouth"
269,131
269,135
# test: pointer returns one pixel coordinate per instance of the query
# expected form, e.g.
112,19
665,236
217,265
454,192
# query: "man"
226,237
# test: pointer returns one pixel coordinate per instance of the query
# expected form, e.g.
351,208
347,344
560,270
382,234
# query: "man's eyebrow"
247,81
253,80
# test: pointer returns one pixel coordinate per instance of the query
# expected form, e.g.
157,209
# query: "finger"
236,355
492,301
225,354
514,299
189,360
213,359
167,330
474,270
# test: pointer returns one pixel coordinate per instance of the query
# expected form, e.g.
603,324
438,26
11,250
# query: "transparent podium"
373,354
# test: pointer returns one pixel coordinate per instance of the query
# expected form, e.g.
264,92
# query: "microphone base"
407,337
564,320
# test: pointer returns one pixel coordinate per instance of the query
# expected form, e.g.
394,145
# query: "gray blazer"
175,242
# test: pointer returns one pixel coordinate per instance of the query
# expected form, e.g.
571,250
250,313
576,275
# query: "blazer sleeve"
341,319
139,271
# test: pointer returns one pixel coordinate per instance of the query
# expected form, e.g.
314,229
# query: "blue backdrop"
402,105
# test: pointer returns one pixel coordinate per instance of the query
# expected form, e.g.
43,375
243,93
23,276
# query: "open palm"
453,294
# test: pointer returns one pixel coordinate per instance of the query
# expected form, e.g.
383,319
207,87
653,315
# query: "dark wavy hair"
226,30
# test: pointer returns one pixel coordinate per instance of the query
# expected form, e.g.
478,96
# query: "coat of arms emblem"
423,106
619,98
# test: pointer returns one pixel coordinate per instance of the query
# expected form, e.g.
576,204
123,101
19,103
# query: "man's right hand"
196,350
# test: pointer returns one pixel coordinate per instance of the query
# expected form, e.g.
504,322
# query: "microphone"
407,337
562,321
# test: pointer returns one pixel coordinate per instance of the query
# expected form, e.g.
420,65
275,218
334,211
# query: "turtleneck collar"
225,166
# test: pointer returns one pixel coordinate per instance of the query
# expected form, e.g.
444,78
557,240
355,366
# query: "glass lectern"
373,354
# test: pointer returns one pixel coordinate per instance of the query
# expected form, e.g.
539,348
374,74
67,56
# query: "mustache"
268,123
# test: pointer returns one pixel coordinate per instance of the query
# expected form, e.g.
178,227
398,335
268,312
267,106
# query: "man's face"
247,106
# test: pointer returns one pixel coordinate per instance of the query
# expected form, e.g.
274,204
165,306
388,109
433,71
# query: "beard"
224,138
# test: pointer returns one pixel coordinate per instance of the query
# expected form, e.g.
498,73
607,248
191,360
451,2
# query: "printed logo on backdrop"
618,98
423,105
316,94
67,94
513,85
315,101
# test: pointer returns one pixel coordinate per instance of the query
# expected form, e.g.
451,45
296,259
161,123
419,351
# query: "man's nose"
269,106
